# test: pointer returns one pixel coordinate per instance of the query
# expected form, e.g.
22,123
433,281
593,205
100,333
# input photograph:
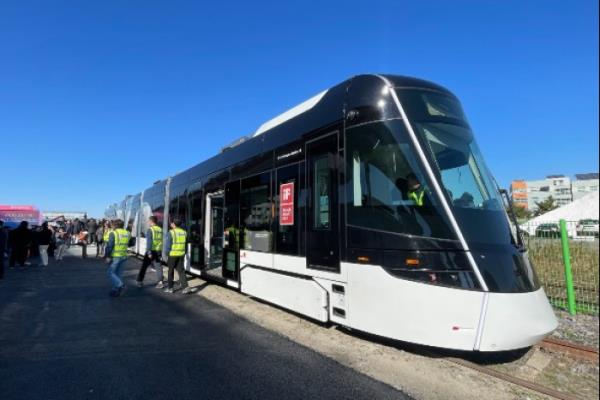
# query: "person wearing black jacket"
77,227
44,236
3,244
19,240
92,226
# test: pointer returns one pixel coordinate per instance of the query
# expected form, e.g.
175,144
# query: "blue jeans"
114,271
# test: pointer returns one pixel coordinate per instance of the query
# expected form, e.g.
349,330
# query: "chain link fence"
543,241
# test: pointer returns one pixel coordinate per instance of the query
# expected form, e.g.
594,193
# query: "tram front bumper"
516,320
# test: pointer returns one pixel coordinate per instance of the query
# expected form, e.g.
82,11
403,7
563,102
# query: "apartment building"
584,184
562,189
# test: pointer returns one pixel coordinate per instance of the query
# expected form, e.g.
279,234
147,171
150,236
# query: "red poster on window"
286,204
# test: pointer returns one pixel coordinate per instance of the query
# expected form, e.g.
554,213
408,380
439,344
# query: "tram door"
231,239
195,230
213,233
322,246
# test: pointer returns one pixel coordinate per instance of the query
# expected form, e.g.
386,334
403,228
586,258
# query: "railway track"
578,351
572,349
514,380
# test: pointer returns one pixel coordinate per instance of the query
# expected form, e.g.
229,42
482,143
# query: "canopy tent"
583,208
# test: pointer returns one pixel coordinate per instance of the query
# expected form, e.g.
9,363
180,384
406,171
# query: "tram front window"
452,152
388,190
459,161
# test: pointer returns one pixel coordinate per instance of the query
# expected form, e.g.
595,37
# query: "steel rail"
577,350
513,379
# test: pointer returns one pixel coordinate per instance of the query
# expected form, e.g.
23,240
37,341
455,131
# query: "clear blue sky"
90,90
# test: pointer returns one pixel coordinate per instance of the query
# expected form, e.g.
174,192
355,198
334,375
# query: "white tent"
583,208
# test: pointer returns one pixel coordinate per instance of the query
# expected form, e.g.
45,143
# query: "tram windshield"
461,167
387,189
449,143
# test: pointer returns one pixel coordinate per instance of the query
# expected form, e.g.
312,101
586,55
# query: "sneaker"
160,285
168,290
187,290
139,284
114,293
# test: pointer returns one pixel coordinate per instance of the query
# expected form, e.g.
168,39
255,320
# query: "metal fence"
565,256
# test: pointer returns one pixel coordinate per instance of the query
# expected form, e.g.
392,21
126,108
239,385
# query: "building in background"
585,183
562,189
53,215
518,190
13,215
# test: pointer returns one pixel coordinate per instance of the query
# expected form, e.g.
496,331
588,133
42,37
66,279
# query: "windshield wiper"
511,213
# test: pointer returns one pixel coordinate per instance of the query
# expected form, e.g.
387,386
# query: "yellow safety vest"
121,243
178,238
106,235
417,196
157,238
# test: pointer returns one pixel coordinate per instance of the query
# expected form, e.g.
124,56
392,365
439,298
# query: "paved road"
62,337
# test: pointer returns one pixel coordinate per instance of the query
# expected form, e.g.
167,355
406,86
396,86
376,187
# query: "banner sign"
4,207
13,216
286,204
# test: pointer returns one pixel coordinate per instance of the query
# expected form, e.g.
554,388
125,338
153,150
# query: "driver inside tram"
416,191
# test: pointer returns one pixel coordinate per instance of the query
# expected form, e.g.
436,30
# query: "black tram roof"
328,108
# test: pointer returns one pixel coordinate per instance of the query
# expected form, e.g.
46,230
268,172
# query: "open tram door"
231,232
213,232
322,226
221,236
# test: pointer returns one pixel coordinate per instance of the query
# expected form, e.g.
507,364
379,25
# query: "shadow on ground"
62,337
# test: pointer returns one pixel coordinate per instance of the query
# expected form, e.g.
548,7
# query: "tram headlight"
447,268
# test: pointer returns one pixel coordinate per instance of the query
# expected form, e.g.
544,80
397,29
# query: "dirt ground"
404,368
580,328
555,370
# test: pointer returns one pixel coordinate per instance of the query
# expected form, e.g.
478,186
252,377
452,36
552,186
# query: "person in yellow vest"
107,229
175,248
154,246
416,191
116,250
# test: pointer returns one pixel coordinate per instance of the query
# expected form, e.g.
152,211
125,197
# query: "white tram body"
368,206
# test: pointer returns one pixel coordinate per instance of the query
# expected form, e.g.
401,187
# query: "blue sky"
98,100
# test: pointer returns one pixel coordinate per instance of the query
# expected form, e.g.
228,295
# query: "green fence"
547,253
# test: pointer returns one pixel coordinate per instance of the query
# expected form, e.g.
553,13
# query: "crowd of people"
34,246
30,246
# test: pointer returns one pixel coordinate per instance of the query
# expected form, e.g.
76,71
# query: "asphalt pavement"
62,337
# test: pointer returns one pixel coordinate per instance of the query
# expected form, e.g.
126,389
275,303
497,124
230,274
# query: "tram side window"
255,213
322,195
287,226
195,214
184,211
195,225
173,208
177,210
152,206
386,188
159,213
130,221
134,220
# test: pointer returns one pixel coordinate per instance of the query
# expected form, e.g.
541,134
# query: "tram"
368,205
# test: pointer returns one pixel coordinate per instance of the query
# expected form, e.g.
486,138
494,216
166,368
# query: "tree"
546,205
521,213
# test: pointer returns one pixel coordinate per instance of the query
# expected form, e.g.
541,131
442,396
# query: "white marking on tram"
291,113
481,326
